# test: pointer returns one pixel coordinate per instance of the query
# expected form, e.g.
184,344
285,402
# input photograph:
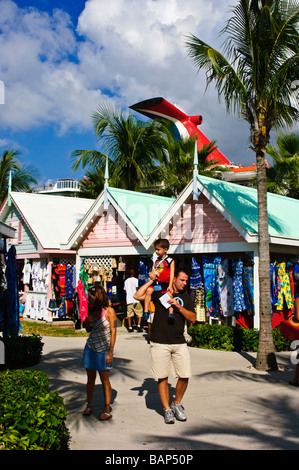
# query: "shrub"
229,338
31,417
22,351
281,343
212,337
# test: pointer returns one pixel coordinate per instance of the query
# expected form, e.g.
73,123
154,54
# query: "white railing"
64,184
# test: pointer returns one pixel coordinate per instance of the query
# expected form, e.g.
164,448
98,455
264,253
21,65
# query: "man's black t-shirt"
161,330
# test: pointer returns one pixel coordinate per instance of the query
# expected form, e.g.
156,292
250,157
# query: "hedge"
22,351
31,417
228,338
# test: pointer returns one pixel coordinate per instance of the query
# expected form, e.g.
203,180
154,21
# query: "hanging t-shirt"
26,273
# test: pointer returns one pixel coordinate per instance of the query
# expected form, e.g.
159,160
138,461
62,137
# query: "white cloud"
4,142
133,49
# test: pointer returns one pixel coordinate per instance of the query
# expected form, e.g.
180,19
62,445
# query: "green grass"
48,329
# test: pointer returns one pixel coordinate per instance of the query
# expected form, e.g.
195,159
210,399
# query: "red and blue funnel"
184,126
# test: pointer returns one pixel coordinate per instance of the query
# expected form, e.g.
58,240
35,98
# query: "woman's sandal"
105,415
87,411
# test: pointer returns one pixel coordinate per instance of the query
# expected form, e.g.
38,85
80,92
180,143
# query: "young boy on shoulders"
163,269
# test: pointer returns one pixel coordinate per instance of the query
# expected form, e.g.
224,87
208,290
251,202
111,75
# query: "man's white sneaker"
169,416
178,411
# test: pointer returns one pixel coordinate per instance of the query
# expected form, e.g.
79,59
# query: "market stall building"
40,222
212,228
63,243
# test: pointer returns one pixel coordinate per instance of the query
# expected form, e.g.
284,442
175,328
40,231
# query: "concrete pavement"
229,405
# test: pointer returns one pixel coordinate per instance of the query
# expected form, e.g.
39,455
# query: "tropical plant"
178,170
23,177
133,148
256,80
283,176
92,183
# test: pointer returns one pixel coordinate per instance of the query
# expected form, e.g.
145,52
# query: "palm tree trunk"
266,358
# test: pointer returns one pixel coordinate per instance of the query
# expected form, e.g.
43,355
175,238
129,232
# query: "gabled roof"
50,218
141,211
147,215
239,204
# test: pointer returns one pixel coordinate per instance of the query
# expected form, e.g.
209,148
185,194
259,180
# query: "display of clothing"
221,286
63,281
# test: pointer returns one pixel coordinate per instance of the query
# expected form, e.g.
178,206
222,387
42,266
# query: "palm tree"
23,177
178,171
283,176
133,148
256,81
93,183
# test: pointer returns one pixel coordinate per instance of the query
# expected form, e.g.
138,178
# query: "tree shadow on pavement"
67,376
274,425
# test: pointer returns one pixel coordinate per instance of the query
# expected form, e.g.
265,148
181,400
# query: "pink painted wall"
200,222
196,222
109,230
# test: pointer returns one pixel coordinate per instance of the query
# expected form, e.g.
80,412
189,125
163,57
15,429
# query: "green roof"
143,210
241,202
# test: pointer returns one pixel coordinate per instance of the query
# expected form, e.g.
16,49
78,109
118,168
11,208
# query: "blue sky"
60,60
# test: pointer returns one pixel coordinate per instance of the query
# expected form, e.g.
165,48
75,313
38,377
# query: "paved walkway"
229,405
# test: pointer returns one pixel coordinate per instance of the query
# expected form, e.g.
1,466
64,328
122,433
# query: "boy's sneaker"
178,411
169,416
130,329
145,316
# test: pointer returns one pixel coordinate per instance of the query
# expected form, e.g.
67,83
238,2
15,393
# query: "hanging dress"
225,289
195,276
284,291
239,302
69,286
209,284
248,289
216,294
273,285
83,301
